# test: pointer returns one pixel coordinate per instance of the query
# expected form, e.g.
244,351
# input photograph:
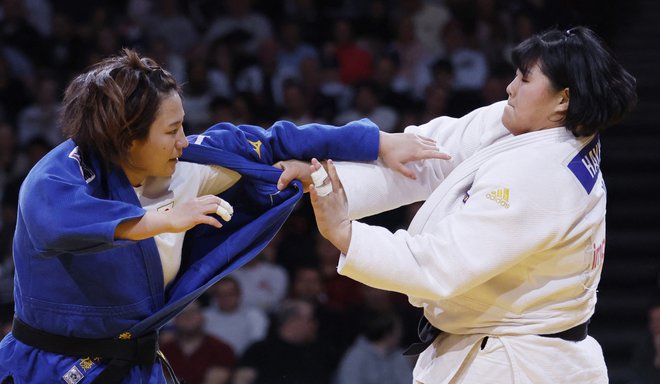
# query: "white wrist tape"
319,177
225,210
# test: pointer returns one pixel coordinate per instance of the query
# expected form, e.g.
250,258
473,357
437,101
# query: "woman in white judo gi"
506,252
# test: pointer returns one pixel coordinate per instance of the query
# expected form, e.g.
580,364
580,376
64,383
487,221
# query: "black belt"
122,354
427,334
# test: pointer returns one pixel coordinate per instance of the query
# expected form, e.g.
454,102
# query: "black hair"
601,91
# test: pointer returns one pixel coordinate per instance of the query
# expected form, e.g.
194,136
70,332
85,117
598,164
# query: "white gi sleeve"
511,213
372,188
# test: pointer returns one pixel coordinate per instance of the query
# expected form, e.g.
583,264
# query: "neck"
135,178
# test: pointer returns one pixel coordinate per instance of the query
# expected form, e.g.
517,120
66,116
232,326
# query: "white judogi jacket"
509,244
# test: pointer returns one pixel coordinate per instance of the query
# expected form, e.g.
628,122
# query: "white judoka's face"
533,103
159,153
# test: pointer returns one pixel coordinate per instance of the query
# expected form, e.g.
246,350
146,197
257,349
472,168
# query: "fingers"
426,140
214,204
402,169
434,154
313,195
210,220
334,178
285,178
322,185
315,165
225,210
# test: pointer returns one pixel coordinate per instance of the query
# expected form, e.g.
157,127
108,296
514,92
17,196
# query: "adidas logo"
500,196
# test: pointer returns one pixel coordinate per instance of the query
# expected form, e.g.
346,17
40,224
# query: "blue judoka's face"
533,103
158,154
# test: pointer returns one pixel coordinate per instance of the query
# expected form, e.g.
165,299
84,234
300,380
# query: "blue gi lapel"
259,212
121,189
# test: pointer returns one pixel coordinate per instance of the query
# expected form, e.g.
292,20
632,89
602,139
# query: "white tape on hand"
225,210
319,177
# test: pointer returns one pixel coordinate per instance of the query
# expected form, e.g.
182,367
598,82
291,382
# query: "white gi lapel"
452,188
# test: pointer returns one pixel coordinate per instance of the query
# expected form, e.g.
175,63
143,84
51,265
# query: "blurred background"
397,62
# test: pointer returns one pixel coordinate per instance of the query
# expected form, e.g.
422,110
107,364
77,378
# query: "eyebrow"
176,123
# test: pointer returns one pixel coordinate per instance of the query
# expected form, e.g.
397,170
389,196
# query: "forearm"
149,225
372,188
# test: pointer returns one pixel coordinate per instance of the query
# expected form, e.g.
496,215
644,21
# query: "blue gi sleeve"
357,141
62,213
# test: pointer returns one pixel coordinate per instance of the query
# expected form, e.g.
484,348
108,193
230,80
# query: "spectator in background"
241,17
308,285
293,354
378,301
296,104
8,155
429,19
264,79
341,293
645,361
293,49
264,283
392,89
243,109
367,103
35,149
41,118
229,320
469,67
469,64
66,50
221,69
16,31
442,72
436,99
159,49
220,109
197,357
297,240
355,62
166,21
13,91
376,357
411,55
197,96
311,77
494,88
492,30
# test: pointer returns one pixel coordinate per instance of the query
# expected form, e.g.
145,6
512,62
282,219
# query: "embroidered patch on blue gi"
85,171
256,145
586,164
73,375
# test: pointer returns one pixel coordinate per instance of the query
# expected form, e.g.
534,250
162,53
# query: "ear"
564,98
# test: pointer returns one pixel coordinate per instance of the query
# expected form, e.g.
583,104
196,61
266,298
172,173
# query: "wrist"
341,236
382,141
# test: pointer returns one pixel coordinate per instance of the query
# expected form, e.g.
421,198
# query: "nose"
182,140
509,88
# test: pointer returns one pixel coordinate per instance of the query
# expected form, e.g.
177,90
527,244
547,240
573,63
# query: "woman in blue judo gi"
120,226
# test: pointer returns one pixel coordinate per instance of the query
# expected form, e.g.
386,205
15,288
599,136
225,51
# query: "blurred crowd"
287,316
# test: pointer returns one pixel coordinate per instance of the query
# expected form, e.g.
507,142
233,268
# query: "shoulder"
539,175
61,164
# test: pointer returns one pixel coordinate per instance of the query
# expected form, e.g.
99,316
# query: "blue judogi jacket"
74,279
